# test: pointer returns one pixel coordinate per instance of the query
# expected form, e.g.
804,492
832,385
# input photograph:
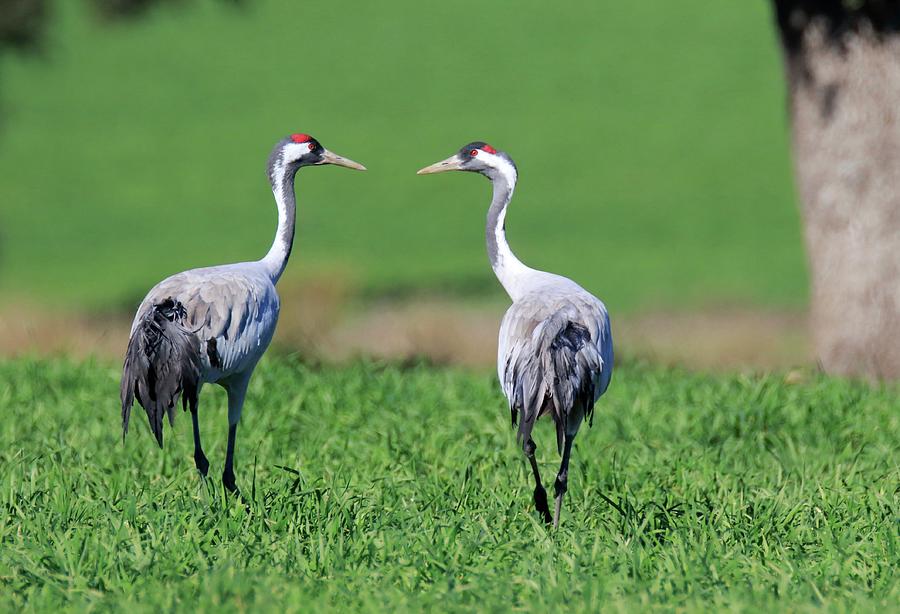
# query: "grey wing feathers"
554,359
162,362
236,310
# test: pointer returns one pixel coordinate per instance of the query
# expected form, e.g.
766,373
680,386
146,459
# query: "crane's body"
232,309
555,350
553,344
212,325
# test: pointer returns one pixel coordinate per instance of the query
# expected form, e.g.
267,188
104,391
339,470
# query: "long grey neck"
513,275
275,261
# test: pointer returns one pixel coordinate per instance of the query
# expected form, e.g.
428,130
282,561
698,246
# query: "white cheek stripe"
512,273
295,151
501,165
279,249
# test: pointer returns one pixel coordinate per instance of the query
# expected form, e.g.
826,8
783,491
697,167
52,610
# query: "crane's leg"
540,495
228,473
236,391
199,457
562,478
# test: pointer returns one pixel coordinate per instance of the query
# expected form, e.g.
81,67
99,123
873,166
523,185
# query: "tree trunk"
842,61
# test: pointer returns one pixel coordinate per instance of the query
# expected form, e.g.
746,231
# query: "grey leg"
199,457
540,495
228,474
236,388
562,478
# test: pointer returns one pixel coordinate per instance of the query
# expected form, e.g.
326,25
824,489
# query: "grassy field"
651,141
402,489
654,169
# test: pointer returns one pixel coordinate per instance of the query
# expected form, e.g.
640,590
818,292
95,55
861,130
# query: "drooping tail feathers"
557,375
162,362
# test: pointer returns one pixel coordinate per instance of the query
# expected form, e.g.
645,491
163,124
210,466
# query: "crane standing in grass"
212,325
555,354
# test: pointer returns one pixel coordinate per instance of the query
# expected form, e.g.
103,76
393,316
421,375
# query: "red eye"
312,146
474,152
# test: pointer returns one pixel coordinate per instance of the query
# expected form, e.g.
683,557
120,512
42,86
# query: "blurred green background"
651,141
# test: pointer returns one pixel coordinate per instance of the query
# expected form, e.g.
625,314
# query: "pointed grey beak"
332,158
453,163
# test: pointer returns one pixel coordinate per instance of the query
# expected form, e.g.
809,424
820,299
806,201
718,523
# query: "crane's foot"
540,495
228,483
201,462
557,512
540,502
560,487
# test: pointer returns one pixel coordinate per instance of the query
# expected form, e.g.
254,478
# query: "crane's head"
297,150
477,157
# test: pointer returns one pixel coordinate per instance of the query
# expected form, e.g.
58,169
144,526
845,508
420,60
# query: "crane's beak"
332,158
453,163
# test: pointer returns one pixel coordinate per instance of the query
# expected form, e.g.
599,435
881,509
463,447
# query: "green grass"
405,491
650,137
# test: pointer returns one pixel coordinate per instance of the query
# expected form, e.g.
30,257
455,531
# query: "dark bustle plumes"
162,362
556,377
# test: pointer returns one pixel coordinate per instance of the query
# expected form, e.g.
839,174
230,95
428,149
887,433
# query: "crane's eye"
312,146
473,153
